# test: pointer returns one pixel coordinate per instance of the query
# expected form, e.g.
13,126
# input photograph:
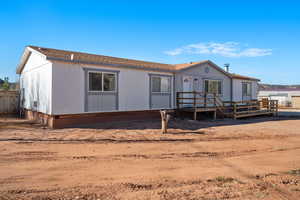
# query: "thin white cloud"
227,49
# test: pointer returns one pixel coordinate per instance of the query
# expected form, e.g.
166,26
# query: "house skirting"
42,118
75,120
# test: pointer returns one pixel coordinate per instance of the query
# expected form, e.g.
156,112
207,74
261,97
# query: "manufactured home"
65,88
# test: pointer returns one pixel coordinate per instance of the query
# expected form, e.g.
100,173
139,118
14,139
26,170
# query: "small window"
246,89
95,81
101,81
213,87
161,84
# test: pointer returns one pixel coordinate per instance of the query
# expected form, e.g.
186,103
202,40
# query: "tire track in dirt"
280,192
165,139
198,154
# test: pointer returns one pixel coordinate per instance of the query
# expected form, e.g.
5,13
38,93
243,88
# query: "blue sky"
257,38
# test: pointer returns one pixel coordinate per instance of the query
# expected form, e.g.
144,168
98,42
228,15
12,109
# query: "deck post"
177,113
205,98
276,108
195,106
194,100
215,115
215,104
234,110
177,99
195,114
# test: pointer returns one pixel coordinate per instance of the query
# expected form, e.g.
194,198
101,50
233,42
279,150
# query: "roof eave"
249,79
108,64
25,56
23,60
209,62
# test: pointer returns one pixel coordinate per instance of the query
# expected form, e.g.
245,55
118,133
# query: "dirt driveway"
226,159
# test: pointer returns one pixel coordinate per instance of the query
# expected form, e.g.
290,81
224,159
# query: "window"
102,81
95,81
213,87
109,82
246,89
160,84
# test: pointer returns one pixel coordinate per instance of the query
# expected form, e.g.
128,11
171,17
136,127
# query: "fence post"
165,117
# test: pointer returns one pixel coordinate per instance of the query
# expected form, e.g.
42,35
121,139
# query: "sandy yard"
243,159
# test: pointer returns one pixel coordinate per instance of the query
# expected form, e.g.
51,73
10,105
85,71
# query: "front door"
187,87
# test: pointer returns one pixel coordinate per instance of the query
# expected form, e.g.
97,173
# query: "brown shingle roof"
238,76
98,59
87,58
187,65
235,76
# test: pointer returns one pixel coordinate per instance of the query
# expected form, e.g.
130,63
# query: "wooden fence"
9,102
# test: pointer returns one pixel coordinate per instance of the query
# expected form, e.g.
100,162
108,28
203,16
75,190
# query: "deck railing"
254,107
195,99
234,109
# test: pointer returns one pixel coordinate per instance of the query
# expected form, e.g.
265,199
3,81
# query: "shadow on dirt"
182,126
186,125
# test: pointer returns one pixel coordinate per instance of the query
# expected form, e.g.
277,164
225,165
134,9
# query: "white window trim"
207,79
158,76
102,89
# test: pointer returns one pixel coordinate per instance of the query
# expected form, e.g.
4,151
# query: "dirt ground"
226,159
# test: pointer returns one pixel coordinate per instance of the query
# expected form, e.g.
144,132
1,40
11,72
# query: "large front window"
246,89
161,84
102,81
213,87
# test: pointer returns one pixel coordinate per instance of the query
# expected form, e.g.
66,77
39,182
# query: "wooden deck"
195,111
196,102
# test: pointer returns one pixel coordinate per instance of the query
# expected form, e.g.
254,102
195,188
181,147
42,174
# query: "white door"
187,87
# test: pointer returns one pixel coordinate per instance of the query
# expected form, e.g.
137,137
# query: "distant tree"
5,85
